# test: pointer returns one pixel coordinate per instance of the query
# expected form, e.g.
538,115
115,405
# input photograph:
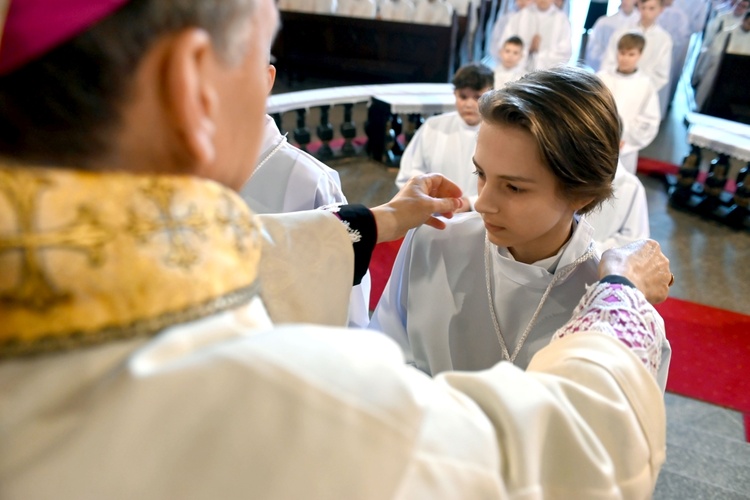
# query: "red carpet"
710,354
710,346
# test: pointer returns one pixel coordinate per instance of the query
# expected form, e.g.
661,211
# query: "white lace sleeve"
621,312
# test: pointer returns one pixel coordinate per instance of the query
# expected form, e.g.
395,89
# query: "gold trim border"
145,327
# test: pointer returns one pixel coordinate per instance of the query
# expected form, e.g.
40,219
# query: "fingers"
438,186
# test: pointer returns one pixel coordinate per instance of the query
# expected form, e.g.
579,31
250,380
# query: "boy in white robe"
637,101
505,275
677,23
603,29
397,10
445,143
509,68
545,31
656,60
437,12
498,28
151,380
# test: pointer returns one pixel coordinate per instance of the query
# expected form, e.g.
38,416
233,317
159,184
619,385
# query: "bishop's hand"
644,264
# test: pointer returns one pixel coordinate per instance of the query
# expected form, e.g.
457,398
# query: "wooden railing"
391,110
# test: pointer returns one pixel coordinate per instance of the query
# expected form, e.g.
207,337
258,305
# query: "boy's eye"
478,173
514,189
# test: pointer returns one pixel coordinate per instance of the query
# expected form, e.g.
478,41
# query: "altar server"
437,12
493,284
445,143
545,31
636,98
656,61
397,10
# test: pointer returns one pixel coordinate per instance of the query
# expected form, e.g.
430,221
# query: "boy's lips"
492,228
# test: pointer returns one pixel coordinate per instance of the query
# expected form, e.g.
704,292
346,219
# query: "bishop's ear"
190,95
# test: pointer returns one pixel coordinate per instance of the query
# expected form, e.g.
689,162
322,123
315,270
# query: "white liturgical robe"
677,23
211,400
638,107
551,25
602,31
623,218
444,144
288,179
504,75
356,8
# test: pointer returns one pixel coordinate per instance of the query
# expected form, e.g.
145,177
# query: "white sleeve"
661,70
642,130
390,314
413,160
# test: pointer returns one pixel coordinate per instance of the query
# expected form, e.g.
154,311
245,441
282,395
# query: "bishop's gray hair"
65,106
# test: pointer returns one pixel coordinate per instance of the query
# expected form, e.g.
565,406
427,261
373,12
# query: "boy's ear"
190,94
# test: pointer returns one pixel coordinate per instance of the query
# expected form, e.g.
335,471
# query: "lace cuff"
360,224
623,313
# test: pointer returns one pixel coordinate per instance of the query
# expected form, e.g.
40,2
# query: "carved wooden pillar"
325,134
348,131
302,133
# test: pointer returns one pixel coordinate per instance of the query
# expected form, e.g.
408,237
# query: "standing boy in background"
509,68
545,31
445,143
602,31
656,60
637,101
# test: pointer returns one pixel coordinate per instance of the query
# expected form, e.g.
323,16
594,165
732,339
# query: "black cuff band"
361,226
617,280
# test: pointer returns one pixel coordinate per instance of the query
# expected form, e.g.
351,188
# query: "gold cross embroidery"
84,234
239,223
177,229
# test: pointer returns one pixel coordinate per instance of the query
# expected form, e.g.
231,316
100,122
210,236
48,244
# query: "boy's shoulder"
443,122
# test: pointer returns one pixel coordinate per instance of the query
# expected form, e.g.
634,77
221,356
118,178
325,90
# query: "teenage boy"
509,68
637,101
445,143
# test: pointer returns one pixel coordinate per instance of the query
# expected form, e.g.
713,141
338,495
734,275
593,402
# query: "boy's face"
650,10
519,198
627,60
510,55
467,104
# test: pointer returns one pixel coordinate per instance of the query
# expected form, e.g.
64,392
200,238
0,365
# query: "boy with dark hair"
637,101
445,143
509,68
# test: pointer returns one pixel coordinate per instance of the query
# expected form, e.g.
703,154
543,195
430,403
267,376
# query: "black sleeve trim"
364,233
617,280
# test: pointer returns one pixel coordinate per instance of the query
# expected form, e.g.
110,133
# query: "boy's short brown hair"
630,41
514,40
475,76
573,118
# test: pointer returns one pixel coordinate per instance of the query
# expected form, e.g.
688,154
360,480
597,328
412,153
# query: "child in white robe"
545,31
724,21
603,29
509,68
677,23
637,101
498,28
445,143
494,283
397,10
656,60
